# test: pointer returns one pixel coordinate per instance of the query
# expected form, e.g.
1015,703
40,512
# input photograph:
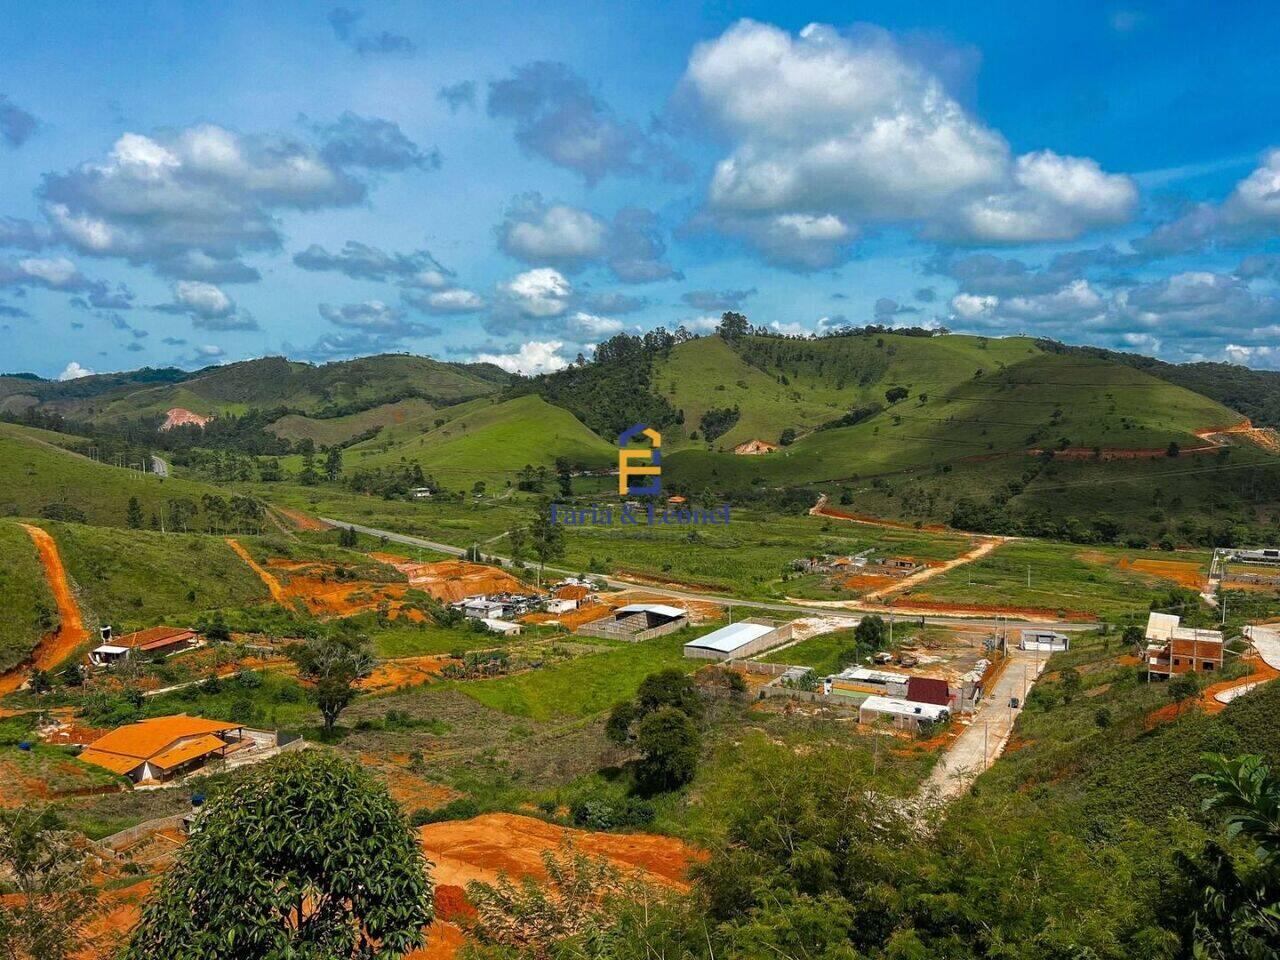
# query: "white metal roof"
110,648
500,626
904,708
866,675
730,638
659,608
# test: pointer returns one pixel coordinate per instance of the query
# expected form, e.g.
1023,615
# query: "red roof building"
928,690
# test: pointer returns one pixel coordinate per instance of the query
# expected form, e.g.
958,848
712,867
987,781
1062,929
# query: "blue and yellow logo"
640,462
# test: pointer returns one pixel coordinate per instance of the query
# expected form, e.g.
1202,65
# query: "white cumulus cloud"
530,359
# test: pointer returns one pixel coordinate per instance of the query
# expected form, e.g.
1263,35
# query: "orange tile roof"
147,738
179,754
112,761
157,636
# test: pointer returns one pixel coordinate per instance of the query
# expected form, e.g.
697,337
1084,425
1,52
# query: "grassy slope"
29,608
34,473
137,578
585,685
495,441
296,427
274,381
1035,403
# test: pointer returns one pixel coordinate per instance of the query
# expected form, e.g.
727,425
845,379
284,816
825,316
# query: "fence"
131,835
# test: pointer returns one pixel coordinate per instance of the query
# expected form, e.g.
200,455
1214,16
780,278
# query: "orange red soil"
61,643
301,521
1185,573
826,511
453,580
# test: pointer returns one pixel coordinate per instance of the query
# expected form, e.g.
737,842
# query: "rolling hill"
488,441
328,390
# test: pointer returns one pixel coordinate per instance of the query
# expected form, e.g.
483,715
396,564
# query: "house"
902,714
743,639
1267,556
1173,649
560,605
420,493
903,564
637,621
860,680
1044,641
152,642
754,448
481,608
504,627
931,690
162,748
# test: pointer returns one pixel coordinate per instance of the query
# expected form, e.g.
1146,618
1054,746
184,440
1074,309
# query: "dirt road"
273,585
61,643
906,583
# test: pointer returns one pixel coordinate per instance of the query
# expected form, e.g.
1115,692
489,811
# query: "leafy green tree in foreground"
52,900
305,858
1231,911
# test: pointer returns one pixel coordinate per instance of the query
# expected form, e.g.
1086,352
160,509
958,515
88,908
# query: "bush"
464,808
599,811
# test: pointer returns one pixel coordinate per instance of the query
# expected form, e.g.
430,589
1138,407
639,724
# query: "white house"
904,714
504,627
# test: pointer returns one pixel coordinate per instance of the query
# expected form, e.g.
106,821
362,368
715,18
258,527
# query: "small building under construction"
636,622
744,639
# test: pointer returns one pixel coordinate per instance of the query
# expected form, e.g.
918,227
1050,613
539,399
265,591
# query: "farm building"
1267,556
903,714
860,680
162,748
154,641
743,639
504,627
754,448
560,605
637,621
1173,648
1044,641
932,690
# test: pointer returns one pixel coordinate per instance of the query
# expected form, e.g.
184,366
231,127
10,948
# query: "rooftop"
730,638
143,740
904,708
659,608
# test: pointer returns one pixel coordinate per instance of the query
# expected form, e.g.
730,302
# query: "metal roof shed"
739,640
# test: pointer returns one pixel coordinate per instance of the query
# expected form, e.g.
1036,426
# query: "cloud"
363,262
926,295
74,371
451,300
208,306
9,311
593,327
1251,212
1258,356
343,21
210,351
611,301
886,309
382,325
558,118
458,95
717,299
192,202
16,124
530,359
542,292
371,143
570,238
174,341
556,234
831,131
24,234
60,274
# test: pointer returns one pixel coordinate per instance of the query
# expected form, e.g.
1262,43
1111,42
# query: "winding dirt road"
71,632
273,585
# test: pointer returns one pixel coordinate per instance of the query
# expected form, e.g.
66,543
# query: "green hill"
491,442
29,607
328,390
325,432
37,475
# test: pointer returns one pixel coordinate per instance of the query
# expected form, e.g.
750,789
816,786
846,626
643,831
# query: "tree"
1184,686
333,463
894,394
347,537
133,514
733,326
1223,909
669,745
564,476
668,688
333,663
1070,684
871,632
788,437
546,538
303,856
48,874
1173,449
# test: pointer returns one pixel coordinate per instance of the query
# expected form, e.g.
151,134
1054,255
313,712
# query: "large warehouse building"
737,640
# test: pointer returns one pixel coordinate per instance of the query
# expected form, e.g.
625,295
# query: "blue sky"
194,183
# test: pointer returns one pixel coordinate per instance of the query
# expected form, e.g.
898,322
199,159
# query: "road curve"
786,607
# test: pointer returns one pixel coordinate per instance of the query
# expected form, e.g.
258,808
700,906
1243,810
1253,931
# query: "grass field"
1062,576
323,433
822,653
138,578
29,607
586,685
35,473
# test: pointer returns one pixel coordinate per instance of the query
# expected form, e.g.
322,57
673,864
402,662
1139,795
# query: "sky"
190,183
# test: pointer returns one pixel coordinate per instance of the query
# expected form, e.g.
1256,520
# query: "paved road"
816,609
984,739
159,466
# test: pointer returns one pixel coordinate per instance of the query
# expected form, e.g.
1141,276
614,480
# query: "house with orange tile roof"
161,748
154,641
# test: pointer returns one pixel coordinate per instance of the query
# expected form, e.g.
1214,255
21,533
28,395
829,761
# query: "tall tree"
546,538
333,663
52,900
304,856
333,463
